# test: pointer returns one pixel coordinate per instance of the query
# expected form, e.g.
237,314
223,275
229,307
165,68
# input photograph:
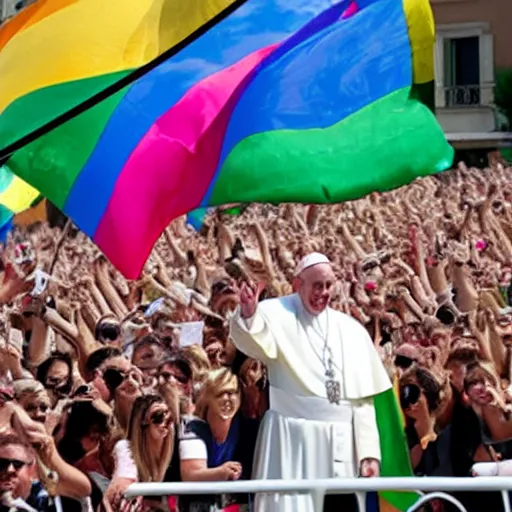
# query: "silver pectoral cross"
332,386
333,390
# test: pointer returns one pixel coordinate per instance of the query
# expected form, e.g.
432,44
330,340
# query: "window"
462,71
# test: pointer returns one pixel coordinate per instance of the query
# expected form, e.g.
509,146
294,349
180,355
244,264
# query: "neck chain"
332,386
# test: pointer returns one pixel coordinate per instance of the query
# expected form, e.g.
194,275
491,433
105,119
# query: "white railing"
434,487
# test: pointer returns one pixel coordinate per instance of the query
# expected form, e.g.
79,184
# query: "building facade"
473,41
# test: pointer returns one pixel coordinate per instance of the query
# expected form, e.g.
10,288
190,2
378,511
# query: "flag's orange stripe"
33,14
384,506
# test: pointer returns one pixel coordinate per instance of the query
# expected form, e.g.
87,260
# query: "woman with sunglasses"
56,374
148,454
420,398
125,388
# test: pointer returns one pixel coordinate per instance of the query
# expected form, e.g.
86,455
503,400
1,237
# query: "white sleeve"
366,432
253,336
193,448
125,466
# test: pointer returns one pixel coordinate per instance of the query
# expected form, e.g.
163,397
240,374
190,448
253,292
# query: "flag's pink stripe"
170,170
351,10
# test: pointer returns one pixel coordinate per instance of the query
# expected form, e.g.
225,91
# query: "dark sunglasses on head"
403,362
16,464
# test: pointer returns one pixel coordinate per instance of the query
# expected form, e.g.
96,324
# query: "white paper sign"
191,333
16,339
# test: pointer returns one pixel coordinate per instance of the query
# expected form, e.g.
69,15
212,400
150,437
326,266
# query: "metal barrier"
432,486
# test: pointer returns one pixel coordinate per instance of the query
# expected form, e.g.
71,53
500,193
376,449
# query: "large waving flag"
280,101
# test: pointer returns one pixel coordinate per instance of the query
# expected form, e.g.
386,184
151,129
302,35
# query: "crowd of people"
105,382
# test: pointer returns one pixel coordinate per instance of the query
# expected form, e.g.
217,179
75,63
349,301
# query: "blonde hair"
199,362
151,466
215,382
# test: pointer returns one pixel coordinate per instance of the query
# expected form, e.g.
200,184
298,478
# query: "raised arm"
249,330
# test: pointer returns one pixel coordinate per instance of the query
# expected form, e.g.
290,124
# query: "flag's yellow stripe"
18,196
422,34
33,14
95,37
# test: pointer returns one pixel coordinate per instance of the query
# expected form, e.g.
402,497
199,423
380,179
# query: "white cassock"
303,435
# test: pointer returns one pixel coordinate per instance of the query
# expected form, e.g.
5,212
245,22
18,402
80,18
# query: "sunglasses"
82,390
409,395
160,417
35,407
231,392
403,362
114,378
55,383
167,376
16,464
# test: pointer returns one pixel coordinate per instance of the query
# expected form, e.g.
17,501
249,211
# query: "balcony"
466,108
462,96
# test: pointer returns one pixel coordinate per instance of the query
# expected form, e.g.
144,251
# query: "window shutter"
487,68
449,62
439,71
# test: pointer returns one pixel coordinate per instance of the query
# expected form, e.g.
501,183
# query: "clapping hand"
231,470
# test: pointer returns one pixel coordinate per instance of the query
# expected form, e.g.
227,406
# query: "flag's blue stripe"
196,218
346,66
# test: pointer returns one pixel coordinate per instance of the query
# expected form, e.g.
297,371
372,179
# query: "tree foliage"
503,93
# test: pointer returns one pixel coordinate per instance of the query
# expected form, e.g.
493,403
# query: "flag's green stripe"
393,444
52,163
385,145
33,110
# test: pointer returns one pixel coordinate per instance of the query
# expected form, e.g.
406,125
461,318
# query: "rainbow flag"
278,102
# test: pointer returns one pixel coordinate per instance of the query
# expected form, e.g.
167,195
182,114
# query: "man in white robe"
323,371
